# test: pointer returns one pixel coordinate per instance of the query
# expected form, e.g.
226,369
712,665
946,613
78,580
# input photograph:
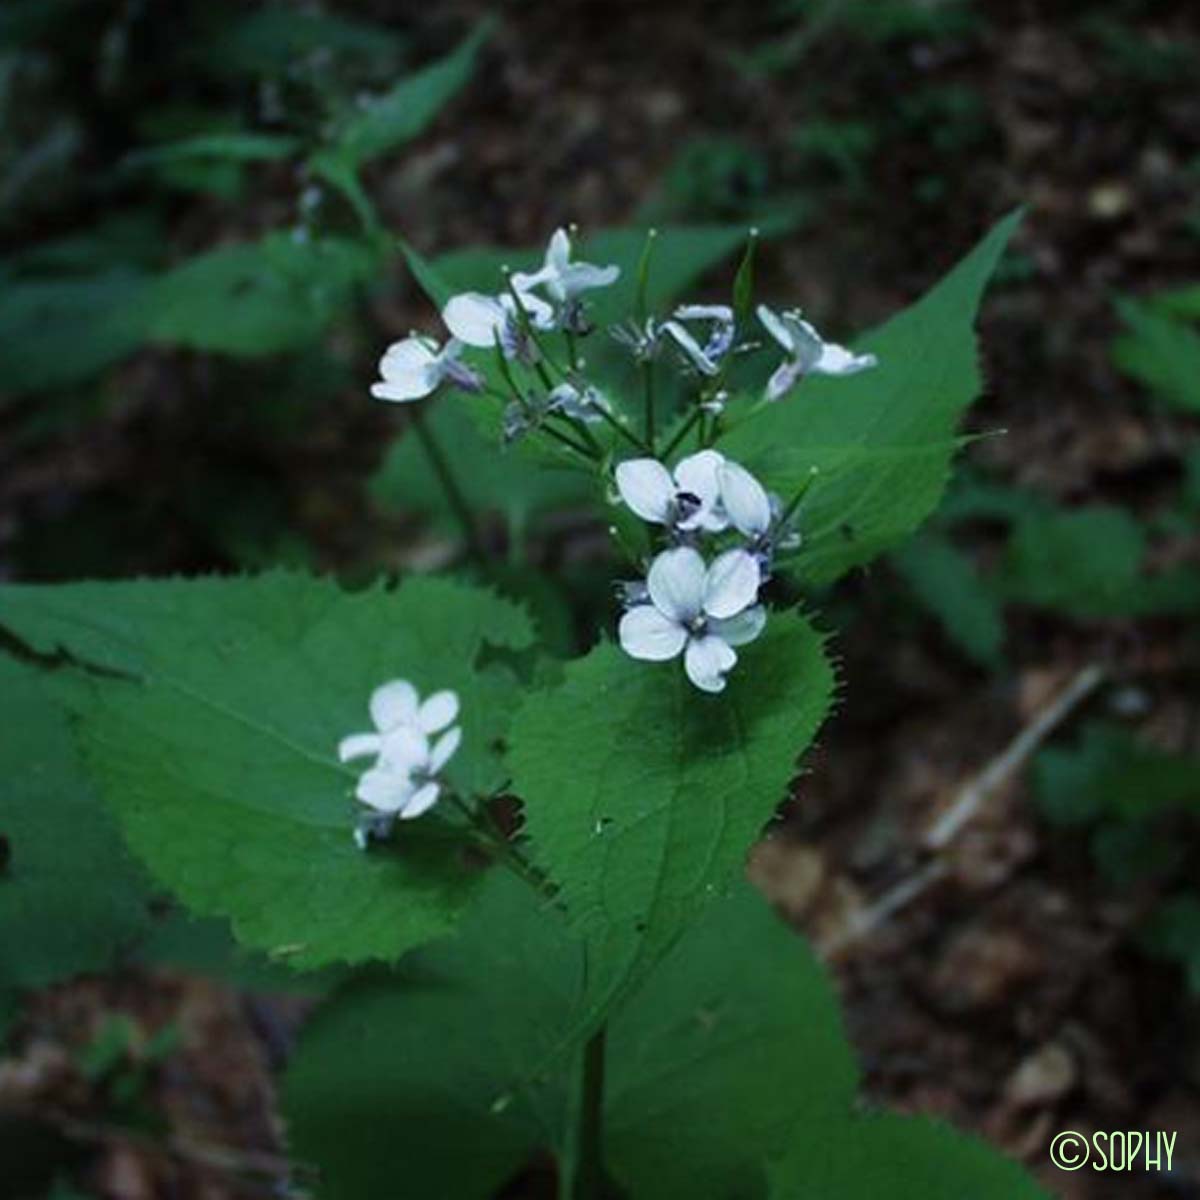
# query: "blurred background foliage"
201,203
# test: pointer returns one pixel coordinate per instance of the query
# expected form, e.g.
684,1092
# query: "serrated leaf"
218,756
642,796
71,897
882,440
946,582
257,298
902,1158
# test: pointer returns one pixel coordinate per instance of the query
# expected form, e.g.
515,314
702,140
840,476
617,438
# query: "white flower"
808,353
403,782
414,367
702,611
707,358
480,320
397,705
564,280
744,501
690,499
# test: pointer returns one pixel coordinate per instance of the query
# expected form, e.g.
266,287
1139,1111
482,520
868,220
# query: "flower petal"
474,318
404,749
744,499
676,581
706,662
359,745
583,277
837,360
437,712
731,584
691,348
775,326
392,704
647,488
540,314
698,474
421,801
383,790
444,748
743,628
646,634
783,379
704,312
410,370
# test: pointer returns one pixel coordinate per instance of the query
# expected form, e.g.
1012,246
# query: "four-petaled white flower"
689,499
563,279
402,784
808,353
705,359
701,611
414,367
481,321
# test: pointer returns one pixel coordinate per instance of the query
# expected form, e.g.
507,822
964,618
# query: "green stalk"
648,382
685,429
441,468
584,1158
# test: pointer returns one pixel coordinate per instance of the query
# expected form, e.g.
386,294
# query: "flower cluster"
417,366
402,783
689,605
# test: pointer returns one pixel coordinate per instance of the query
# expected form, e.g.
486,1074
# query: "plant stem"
454,494
648,378
481,821
687,428
587,1159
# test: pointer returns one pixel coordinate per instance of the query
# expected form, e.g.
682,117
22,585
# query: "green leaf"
1161,352
218,756
946,582
643,796
434,1063
230,147
257,298
59,332
902,1158
1110,773
70,896
882,440
1173,932
733,1049
493,479
732,1053
407,110
1087,562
